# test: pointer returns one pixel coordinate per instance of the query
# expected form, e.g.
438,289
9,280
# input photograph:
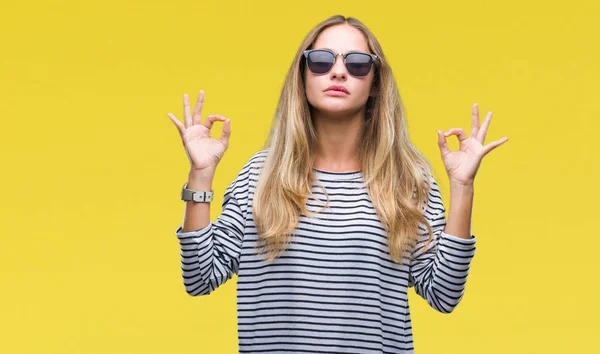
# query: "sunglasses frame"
335,55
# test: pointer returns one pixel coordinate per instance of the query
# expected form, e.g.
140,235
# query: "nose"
339,69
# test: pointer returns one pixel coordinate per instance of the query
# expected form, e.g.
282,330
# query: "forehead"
341,38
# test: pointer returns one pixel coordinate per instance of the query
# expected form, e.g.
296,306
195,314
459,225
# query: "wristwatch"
196,196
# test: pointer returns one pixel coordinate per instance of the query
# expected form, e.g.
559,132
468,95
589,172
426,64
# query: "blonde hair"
396,174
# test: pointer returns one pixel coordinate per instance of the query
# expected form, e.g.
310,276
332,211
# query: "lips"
337,88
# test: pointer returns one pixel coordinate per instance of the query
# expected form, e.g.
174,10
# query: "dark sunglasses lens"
358,64
320,62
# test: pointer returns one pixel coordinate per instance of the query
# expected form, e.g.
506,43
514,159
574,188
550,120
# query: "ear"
372,91
374,85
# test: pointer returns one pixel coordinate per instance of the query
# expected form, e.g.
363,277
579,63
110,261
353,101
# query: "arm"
439,273
210,250
461,208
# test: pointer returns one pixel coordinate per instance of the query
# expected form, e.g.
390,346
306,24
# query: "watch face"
186,195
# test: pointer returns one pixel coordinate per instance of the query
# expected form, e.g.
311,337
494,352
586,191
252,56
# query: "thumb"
225,132
442,143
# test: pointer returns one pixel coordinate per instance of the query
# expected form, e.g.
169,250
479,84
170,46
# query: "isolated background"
92,167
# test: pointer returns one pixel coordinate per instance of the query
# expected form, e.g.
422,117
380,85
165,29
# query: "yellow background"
92,167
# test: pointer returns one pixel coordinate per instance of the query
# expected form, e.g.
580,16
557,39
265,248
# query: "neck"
338,141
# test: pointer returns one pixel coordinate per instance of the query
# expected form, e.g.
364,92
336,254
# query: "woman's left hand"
462,165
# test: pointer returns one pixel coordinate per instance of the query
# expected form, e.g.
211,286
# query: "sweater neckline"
319,173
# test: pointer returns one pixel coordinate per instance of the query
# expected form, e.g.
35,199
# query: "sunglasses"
320,61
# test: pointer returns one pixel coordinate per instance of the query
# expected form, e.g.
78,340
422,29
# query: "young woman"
329,225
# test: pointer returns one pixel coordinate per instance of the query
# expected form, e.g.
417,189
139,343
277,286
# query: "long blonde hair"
396,174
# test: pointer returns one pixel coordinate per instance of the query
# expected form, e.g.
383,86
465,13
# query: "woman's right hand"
202,151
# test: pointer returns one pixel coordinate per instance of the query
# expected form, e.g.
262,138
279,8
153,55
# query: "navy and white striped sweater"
335,289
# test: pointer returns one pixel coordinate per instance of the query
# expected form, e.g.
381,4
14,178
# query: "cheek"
368,88
362,90
310,87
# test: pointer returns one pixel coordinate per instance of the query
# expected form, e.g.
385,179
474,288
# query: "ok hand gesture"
202,151
462,165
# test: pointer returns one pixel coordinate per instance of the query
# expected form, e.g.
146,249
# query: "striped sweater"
335,289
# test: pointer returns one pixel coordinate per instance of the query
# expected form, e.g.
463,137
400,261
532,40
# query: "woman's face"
340,39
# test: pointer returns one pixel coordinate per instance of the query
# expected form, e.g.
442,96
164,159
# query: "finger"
197,118
226,132
213,118
459,132
484,128
178,124
494,144
186,111
474,119
442,143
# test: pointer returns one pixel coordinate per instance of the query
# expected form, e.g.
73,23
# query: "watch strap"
196,196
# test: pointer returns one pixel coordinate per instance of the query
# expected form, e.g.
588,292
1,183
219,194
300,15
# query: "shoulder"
248,174
432,203
254,164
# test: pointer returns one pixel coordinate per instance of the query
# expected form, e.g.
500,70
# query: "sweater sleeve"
439,272
210,256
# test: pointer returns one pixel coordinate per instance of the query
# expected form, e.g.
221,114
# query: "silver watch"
196,196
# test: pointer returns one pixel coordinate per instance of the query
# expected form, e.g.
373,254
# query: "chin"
338,108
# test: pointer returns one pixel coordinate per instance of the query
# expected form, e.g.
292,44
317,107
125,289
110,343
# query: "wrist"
201,180
462,185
